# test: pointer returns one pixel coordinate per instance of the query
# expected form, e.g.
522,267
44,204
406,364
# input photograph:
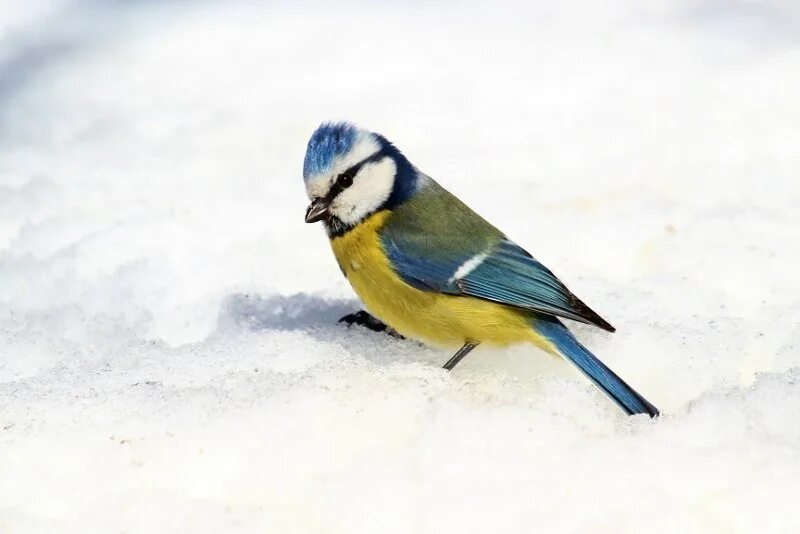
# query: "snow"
169,358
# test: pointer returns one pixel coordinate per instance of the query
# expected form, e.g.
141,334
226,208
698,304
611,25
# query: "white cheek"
370,189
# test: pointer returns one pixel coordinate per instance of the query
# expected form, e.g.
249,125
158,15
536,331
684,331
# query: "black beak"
318,210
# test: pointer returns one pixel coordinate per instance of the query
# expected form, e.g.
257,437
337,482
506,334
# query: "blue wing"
503,273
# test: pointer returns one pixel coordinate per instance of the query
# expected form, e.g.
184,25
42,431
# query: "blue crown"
330,140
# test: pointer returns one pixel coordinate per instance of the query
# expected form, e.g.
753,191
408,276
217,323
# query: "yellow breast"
434,318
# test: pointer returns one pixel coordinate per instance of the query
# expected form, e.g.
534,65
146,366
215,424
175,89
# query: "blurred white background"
169,358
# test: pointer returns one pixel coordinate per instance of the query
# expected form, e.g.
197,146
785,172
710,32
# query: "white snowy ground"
169,358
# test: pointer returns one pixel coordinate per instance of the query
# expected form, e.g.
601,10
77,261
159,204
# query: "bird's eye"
345,179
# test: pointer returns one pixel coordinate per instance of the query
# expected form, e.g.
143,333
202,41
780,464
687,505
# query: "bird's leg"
457,357
362,318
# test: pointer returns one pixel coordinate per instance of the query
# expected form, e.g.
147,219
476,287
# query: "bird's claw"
362,318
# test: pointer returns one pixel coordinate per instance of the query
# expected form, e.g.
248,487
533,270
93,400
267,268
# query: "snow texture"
169,358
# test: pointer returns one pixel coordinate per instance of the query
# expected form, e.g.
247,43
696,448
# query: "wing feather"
434,234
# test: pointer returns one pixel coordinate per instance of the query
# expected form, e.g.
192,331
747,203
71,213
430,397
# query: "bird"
429,268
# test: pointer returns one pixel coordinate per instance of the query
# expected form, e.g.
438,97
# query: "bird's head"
351,173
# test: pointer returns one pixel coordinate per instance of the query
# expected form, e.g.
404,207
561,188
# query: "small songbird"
432,269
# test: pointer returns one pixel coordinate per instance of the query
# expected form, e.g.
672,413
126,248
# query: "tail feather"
617,390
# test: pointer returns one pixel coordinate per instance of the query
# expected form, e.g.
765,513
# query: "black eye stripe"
345,178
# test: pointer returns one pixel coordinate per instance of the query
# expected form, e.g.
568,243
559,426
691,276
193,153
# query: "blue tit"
432,269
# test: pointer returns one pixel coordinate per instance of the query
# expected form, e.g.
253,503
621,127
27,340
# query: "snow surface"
170,360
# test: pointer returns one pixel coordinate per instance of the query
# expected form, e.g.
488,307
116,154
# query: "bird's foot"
362,318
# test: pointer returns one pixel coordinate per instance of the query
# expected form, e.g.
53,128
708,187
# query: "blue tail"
603,377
